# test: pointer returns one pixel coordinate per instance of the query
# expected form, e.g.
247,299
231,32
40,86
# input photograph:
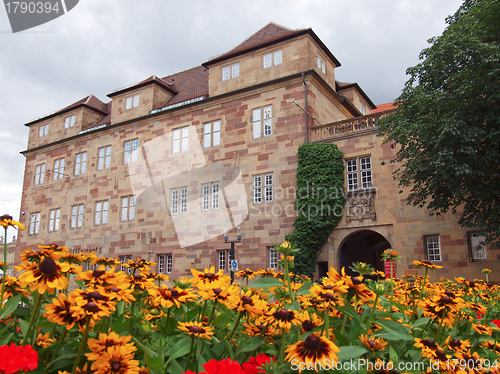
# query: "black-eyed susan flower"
197,329
309,321
252,304
47,276
485,330
372,343
210,276
245,274
167,297
13,287
311,350
59,312
102,277
283,318
104,341
116,360
427,264
90,303
44,340
457,344
7,221
227,295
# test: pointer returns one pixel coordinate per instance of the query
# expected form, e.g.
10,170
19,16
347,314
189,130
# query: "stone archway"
363,246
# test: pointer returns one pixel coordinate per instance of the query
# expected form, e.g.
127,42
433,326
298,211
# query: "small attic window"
132,102
69,121
321,63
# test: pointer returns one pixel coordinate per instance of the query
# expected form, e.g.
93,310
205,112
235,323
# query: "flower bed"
132,322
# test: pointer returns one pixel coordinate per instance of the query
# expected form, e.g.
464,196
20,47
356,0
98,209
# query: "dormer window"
132,102
321,63
69,121
231,71
272,58
44,130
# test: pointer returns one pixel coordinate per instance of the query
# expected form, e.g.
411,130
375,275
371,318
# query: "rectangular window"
81,163
124,260
273,259
104,158
257,189
54,219
174,204
58,172
39,174
262,121
34,223
263,188
130,151
223,259
211,134
101,212
128,208
184,200
359,170
321,63
180,140
210,196
69,121
477,246
44,130
232,71
77,216
272,58
165,263
433,248
268,187
132,102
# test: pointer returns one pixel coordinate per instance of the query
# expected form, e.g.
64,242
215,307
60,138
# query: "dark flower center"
449,293
137,277
6,217
441,355
455,343
429,343
329,296
356,281
96,296
446,300
98,273
246,300
261,327
115,366
328,287
284,315
48,266
91,306
210,276
217,291
196,329
371,343
174,293
114,289
313,342
307,326
427,262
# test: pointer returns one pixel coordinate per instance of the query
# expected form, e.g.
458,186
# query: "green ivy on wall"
319,201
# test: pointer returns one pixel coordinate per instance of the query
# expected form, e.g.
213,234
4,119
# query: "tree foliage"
447,123
320,201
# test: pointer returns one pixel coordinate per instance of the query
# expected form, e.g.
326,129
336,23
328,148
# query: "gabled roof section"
384,107
90,102
151,80
188,84
270,34
344,86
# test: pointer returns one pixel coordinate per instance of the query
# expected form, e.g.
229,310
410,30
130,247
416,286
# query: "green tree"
447,124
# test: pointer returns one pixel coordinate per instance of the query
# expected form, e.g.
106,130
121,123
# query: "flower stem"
238,317
4,274
83,343
34,317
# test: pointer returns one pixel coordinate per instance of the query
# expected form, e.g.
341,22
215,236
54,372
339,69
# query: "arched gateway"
363,246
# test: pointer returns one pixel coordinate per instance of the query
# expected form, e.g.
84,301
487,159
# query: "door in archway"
363,246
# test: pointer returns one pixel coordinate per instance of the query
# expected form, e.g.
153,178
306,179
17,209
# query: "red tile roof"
152,79
384,107
189,84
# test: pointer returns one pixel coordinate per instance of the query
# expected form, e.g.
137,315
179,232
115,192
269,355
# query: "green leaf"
351,351
266,283
10,306
304,289
251,344
180,348
394,330
154,363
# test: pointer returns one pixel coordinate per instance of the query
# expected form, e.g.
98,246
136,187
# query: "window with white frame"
39,174
43,131
77,216
263,188
477,246
69,121
223,258
130,151
211,134
34,223
54,219
262,121
164,263
231,71
321,63
104,157
273,258
128,208
124,260
132,102
211,197
359,173
180,140
80,163
272,58
433,248
179,200
58,172
174,201
101,212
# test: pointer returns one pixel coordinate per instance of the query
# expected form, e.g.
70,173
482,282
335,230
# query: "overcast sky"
103,45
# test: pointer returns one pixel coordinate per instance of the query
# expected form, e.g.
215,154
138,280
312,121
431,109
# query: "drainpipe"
307,113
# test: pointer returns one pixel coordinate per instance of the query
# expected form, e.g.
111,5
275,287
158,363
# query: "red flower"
223,367
254,364
17,358
496,322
